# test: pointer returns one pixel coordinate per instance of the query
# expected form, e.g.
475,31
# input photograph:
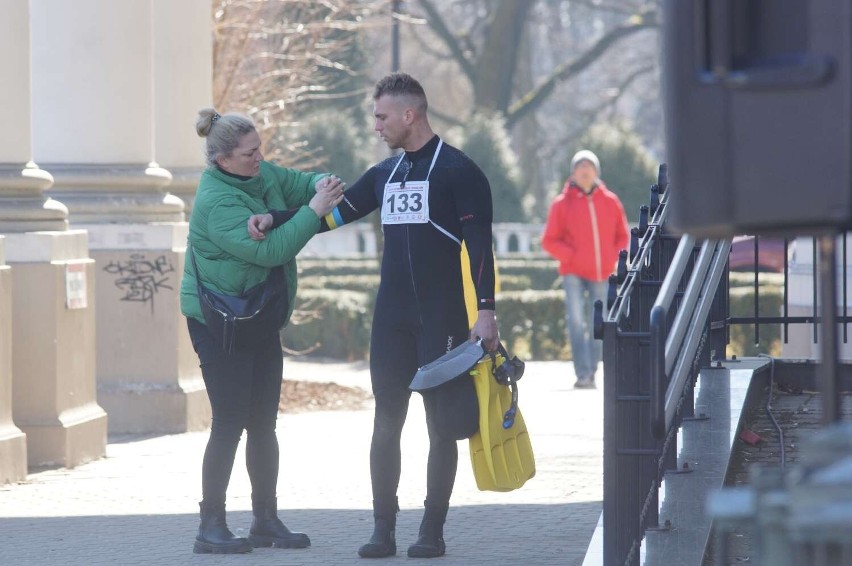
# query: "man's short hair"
401,84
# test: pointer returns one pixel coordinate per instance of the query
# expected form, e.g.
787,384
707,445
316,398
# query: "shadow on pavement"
481,534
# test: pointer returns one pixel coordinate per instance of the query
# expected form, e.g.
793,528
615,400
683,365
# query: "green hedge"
532,324
515,282
368,283
334,312
538,272
742,342
336,297
311,266
330,323
744,279
336,324
542,272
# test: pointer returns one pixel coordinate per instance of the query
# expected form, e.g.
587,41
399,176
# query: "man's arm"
359,200
329,190
473,204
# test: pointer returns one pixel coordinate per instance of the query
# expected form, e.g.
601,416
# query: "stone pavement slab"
138,505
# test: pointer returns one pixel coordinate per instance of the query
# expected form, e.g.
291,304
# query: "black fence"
767,253
667,316
635,459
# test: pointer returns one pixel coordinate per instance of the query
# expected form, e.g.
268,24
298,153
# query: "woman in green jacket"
244,386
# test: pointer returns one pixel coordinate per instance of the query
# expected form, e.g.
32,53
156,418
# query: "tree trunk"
496,64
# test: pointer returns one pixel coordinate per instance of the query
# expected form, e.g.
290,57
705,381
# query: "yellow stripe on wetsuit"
334,219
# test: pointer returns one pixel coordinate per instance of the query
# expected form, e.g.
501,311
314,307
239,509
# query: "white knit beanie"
586,155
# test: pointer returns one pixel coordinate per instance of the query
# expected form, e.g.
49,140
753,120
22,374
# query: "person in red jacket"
585,230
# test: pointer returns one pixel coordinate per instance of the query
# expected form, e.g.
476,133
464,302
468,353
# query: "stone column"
98,141
93,103
47,355
23,207
501,239
14,198
13,442
183,83
53,359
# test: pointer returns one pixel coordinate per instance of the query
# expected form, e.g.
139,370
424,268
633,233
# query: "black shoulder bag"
238,322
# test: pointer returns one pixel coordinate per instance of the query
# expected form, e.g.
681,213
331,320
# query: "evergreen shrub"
311,266
542,272
742,336
330,323
368,283
532,324
487,142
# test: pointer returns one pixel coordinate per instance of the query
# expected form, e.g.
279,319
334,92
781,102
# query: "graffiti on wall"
140,278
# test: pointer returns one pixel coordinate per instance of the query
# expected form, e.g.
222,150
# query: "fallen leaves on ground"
301,396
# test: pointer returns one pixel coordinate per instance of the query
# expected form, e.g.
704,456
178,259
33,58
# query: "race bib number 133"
406,205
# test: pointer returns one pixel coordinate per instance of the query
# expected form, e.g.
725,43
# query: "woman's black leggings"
244,390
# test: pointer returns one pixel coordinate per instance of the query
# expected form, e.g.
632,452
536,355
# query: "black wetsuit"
420,311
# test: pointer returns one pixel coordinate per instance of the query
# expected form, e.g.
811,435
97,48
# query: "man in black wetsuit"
432,198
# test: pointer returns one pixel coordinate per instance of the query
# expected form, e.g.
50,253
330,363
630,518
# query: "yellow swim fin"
501,453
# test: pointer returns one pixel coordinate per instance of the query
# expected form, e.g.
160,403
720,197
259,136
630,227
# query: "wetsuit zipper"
595,237
411,271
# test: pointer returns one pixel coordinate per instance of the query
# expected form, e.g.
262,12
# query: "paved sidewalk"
139,504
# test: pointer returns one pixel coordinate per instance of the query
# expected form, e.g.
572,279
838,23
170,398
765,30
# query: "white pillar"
17,203
93,110
99,141
183,83
502,241
47,376
13,442
524,242
23,207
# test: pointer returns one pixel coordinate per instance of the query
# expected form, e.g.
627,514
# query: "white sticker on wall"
75,285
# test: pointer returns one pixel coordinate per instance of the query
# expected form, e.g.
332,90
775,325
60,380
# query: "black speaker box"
758,109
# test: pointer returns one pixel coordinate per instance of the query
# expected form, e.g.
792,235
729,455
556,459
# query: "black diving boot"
268,530
430,542
214,537
383,542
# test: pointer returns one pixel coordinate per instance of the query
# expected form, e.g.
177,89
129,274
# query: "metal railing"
673,352
667,316
659,329
784,319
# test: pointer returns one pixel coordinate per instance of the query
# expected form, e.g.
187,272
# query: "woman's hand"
258,225
329,194
329,182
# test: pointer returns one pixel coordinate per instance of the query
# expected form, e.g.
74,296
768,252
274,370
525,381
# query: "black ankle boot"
213,534
268,530
383,542
430,543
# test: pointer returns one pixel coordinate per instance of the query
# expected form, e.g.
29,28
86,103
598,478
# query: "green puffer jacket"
229,261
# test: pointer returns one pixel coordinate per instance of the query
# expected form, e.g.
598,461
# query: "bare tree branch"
425,46
590,117
535,97
275,57
451,120
613,7
439,25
